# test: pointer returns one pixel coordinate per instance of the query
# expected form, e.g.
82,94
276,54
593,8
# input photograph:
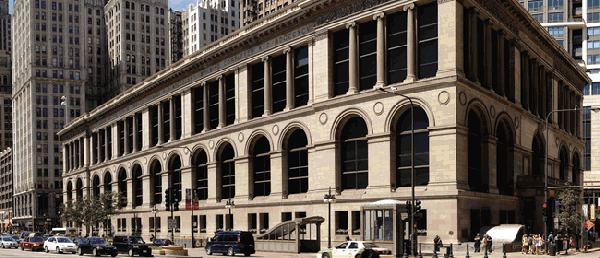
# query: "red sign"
189,200
589,225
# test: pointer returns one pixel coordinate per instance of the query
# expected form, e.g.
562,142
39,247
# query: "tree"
109,203
91,211
569,218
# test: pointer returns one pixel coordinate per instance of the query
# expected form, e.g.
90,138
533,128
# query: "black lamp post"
329,198
154,210
229,205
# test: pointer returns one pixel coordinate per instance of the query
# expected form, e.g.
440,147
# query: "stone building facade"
6,190
253,9
272,117
175,35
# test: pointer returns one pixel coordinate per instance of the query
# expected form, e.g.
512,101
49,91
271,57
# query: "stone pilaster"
268,86
289,74
243,182
135,133
277,178
161,123
379,17
473,45
450,32
147,128
187,113
380,178
222,114
500,64
491,145
487,46
352,58
214,193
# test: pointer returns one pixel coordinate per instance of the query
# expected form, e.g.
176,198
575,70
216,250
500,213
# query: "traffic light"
408,207
417,206
544,210
168,198
176,199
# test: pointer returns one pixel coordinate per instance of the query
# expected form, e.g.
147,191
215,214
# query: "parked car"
60,244
25,235
351,249
162,242
230,243
17,239
132,245
95,246
32,243
8,241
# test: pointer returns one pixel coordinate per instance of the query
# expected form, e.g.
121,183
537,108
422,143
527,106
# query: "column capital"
501,33
474,10
203,84
265,58
381,15
487,22
287,49
410,6
350,24
220,77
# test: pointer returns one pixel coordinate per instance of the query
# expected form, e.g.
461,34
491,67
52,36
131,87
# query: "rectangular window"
301,76
555,17
166,115
213,101
421,221
258,85
154,124
428,42
593,4
202,223
539,17
130,133
178,125
556,5
587,138
594,31
536,6
593,59
252,222
198,95
264,222
396,43
341,227
341,74
140,128
278,80
355,222
109,142
121,130
230,98
556,31
367,54
102,135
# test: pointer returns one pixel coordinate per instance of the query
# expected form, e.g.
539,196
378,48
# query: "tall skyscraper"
57,74
6,189
138,43
5,77
253,9
207,22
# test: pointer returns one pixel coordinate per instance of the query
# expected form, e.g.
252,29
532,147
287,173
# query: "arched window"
96,186
537,157
79,189
576,169
504,159
107,183
69,191
123,187
297,163
564,163
175,169
138,186
404,148
156,179
355,154
261,167
478,177
201,180
227,164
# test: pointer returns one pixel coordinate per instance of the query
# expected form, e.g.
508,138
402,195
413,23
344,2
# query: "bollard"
467,251
405,253
451,255
504,250
434,252
420,253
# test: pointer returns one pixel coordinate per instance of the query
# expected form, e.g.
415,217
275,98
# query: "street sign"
172,223
589,225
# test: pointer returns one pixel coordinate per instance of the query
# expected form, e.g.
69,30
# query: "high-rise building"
138,43
175,35
6,189
207,22
5,77
57,73
253,9
576,27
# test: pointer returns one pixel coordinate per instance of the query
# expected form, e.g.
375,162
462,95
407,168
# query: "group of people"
533,244
487,243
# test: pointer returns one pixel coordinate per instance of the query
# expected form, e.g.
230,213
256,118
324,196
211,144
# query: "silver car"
8,242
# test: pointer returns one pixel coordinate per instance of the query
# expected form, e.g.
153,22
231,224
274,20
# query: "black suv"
132,245
230,243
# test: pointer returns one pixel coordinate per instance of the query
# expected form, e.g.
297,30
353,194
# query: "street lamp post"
154,210
329,198
194,227
229,205
412,167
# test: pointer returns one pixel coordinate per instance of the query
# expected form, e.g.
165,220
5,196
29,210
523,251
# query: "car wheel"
31,249
114,254
247,254
3,246
22,248
79,251
58,251
130,252
209,250
46,249
325,255
230,251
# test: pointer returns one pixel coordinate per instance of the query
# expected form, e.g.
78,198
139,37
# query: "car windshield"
36,239
15,237
370,245
63,240
137,240
98,241
7,239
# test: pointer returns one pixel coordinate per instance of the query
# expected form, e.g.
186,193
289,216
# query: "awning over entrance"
505,233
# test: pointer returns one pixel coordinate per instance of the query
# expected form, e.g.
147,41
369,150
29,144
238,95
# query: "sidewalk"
199,252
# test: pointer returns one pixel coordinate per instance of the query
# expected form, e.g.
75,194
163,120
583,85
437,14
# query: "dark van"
231,243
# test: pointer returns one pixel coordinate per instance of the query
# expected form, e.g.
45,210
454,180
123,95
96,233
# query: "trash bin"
552,250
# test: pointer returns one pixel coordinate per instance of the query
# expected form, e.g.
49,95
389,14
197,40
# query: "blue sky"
174,4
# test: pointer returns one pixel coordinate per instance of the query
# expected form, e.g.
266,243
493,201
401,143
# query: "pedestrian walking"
571,242
538,244
484,243
524,242
530,244
477,243
489,244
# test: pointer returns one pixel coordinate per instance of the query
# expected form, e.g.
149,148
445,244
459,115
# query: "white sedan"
60,244
351,249
8,242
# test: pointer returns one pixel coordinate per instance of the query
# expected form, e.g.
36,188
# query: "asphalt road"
11,252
